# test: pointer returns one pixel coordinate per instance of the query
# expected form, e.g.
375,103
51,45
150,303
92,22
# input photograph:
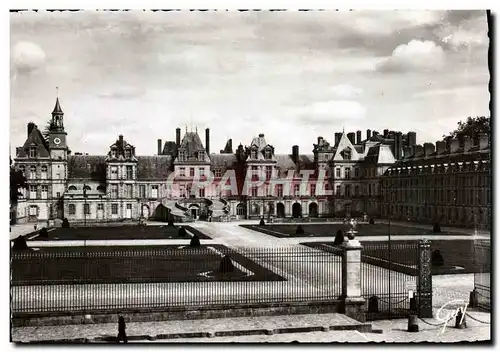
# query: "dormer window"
346,154
267,154
253,154
32,152
201,154
182,156
128,153
114,153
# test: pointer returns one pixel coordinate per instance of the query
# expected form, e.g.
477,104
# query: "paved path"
24,229
257,327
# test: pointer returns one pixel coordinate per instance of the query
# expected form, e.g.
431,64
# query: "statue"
351,232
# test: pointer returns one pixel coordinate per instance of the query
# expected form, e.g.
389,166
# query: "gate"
389,278
482,263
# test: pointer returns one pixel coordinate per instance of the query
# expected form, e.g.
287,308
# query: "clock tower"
58,152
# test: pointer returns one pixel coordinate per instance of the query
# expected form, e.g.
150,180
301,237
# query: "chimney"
31,125
320,139
295,153
375,133
358,137
419,151
440,147
159,146
207,140
407,151
230,146
398,145
338,136
428,149
351,137
468,143
412,139
454,145
178,137
386,133
368,134
483,141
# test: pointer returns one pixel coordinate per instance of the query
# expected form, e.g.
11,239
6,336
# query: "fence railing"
482,276
97,279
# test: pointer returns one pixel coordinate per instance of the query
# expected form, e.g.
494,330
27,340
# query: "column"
424,282
353,303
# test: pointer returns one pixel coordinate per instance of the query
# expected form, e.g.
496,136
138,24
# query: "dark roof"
170,148
443,158
223,161
191,142
87,167
57,108
285,162
35,139
153,167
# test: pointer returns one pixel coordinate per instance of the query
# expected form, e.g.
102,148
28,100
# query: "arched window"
87,188
101,188
72,188
240,209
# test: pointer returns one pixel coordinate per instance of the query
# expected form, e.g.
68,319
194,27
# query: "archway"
313,210
241,210
296,210
194,210
280,210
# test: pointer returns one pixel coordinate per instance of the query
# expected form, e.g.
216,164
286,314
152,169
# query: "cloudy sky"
293,76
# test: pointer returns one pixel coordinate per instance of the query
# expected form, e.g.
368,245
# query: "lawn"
458,255
329,230
86,265
126,232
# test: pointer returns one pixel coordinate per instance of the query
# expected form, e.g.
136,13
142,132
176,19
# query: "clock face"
57,141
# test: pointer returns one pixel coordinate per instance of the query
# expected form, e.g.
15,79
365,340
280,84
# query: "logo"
452,314
57,141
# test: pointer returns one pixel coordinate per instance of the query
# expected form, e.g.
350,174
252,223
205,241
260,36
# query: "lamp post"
84,205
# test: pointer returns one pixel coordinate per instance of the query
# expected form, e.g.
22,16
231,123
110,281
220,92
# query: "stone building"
187,181
446,183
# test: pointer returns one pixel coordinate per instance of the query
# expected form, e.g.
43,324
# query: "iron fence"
482,262
389,272
90,280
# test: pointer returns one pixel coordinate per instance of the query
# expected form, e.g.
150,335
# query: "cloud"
333,110
346,91
123,93
27,56
414,56
466,91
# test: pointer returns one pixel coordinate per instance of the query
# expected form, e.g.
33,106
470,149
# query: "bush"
43,233
299,230
262,223
436,228
226,265
181,232
371,222
437,258
195,241
20,244
339,238
65,223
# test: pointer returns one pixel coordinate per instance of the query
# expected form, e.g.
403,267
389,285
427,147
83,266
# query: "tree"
46,132
471,126
17,181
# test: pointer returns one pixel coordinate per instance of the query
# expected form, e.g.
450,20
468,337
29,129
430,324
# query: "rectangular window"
33,191
347,172
114,172
114,191
128,153
154,191
202,192
191,171
348,190
44,172
129,191
58,194
32,172
142,191
337,172
218,173
356,190
45,191
202,172
32,152
296,190
86,209
182,171
269,172
100,206
279,190
337,190
72,209
313,190
130,170
356,172
254,191
114,209
33,210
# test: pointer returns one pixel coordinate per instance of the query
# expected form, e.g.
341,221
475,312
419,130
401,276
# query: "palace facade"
187,181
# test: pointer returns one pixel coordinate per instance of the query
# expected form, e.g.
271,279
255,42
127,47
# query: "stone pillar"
424,283
353,303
